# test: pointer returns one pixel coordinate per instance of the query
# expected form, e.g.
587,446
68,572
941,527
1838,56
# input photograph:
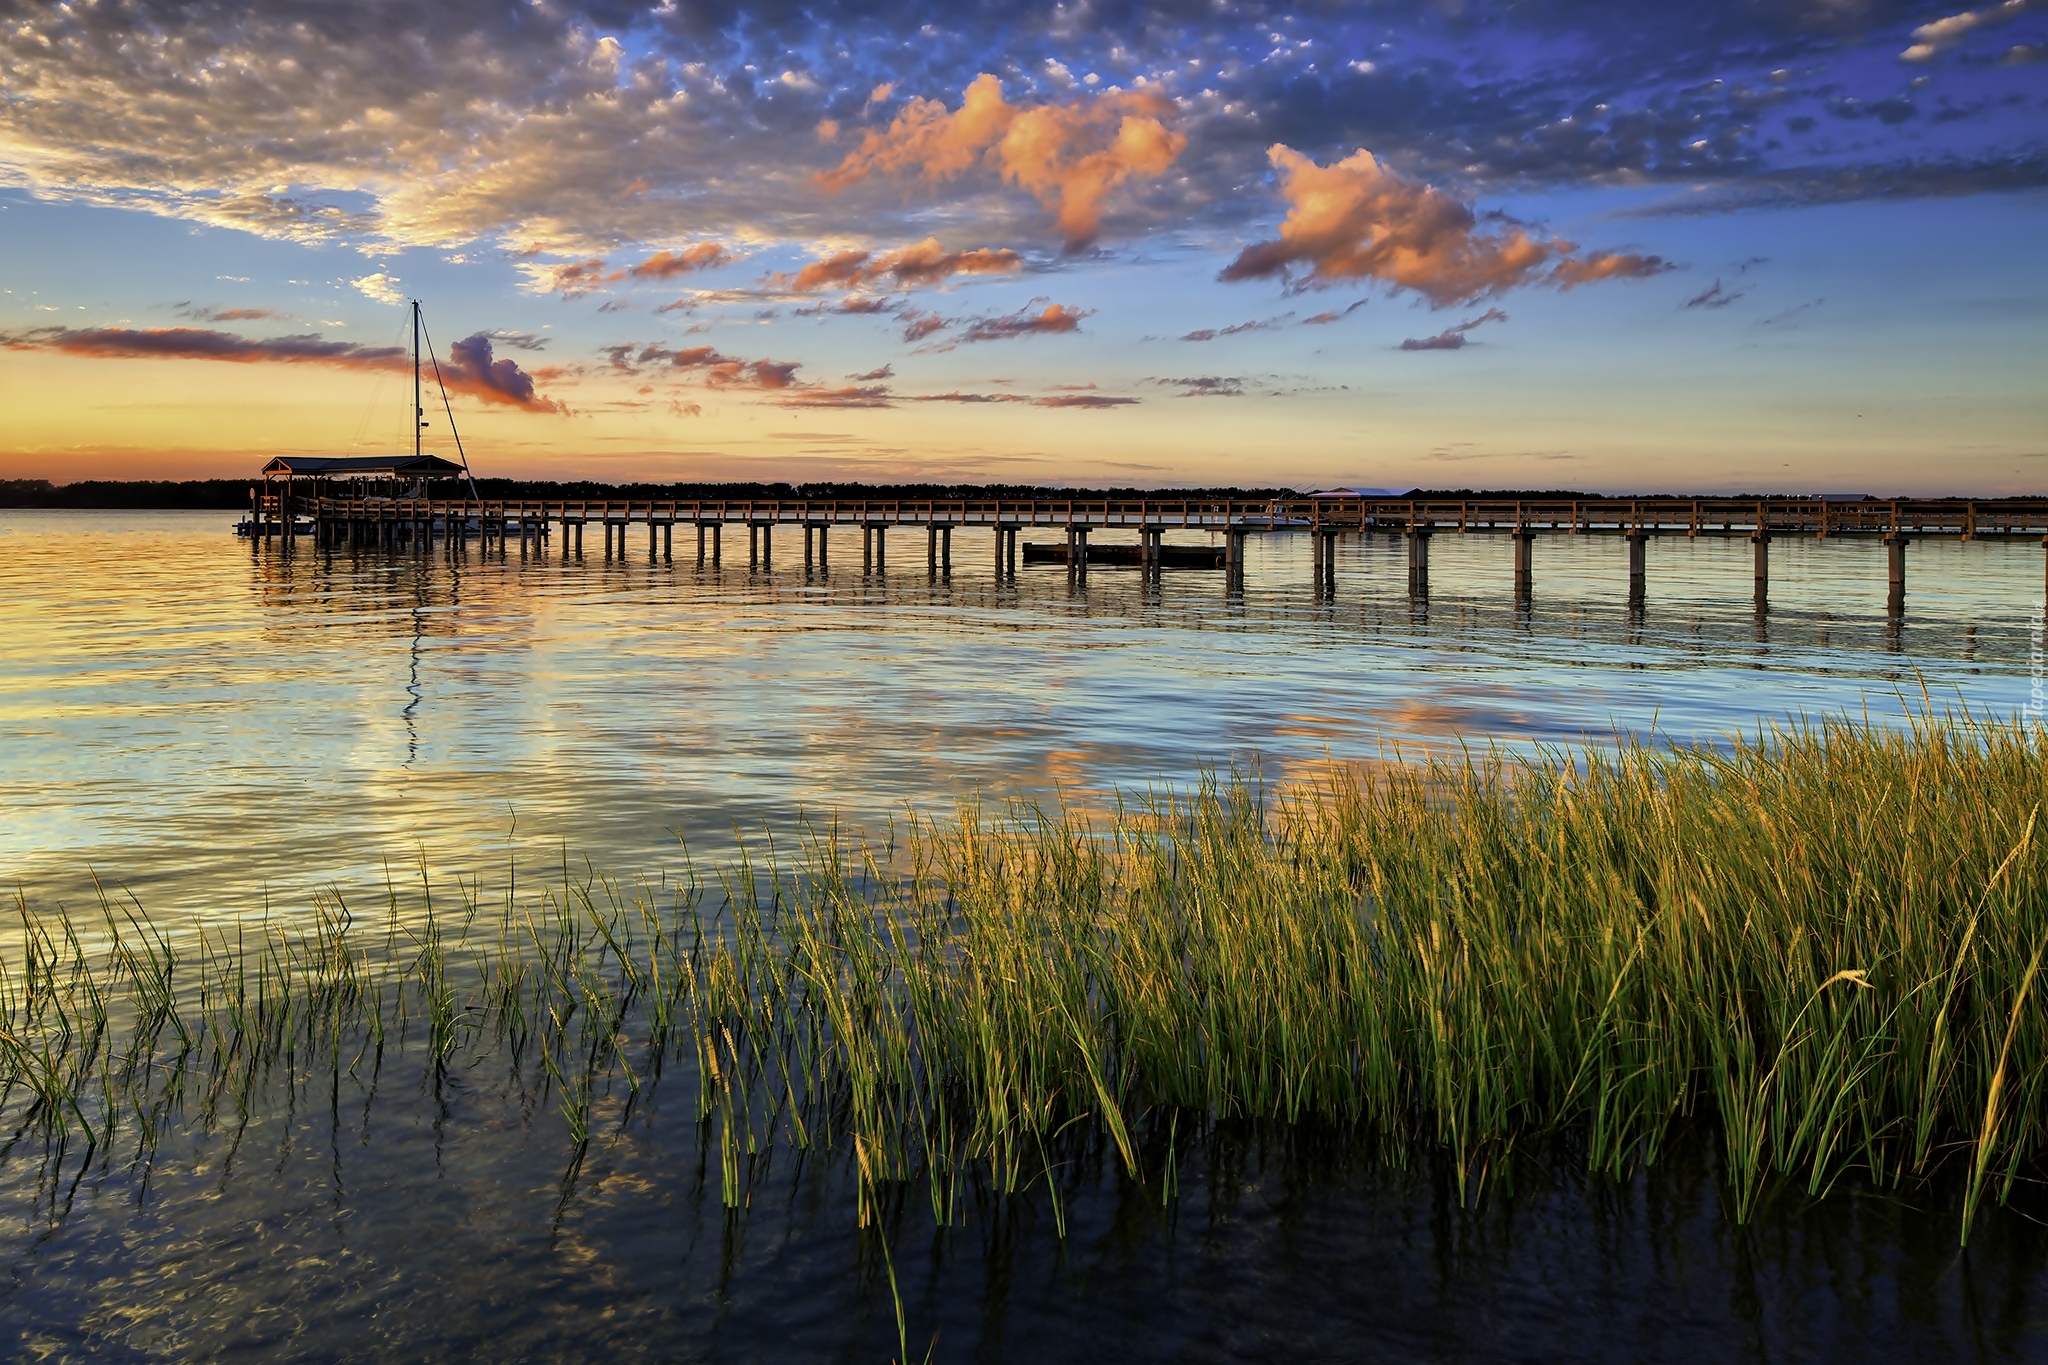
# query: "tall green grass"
1821,946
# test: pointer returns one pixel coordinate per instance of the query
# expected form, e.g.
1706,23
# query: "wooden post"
1418,560
1637,543
1525,567
824,551
881,548
1760,546
1002,537
767,545
668,541
1895,572
753,544
946,551
931,549
867,547
810,559
717,543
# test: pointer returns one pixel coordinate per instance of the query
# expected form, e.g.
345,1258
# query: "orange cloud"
924,263
471,368
1067,156
573,279
1606,265
1356,220
719,370
666,265
1057,317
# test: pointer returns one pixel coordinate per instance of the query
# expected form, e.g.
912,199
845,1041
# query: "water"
217,728
197,722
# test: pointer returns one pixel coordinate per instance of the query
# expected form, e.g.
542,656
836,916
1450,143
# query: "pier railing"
1964,518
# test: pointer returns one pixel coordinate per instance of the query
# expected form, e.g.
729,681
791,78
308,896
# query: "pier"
416,524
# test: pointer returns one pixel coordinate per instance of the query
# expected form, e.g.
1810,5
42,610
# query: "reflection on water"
206,724
398,1216
197,720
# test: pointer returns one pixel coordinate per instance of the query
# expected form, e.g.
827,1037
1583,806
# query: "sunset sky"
1783,245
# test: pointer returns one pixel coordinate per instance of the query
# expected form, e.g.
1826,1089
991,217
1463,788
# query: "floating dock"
415,525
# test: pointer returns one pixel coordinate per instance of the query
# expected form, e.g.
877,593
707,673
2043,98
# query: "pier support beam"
700,544
1418,560
946,551
717,543
1760,548
1326,559
1525,564
1895,573
767,545
668,542
824,550
1638,543
810,550
931,550
753,545
1077,552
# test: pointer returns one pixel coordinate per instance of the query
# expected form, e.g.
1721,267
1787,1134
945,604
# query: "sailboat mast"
418,413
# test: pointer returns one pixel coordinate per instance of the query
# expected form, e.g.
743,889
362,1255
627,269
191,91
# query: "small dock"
417,525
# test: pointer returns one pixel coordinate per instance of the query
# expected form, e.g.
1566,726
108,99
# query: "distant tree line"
234,493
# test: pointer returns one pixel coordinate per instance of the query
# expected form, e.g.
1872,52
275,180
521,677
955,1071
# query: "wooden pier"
415,525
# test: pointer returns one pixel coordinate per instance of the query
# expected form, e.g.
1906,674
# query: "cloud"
471,369
1335,315
1055,318
1930,39
1357,220
922,264
666,265
851,396
1574,271
186,310
1453,338
917,324
379,286
1050,400
1082,400
1211,333
1713,297
886,372
574,279
716,368
1936,178
1067,156
576,130
1206,386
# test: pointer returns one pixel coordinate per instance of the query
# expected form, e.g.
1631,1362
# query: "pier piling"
1637,566
1418,560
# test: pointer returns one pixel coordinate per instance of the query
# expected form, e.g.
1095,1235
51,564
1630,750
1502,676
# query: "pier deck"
411,523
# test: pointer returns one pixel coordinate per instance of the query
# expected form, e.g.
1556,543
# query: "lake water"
198,722
217,727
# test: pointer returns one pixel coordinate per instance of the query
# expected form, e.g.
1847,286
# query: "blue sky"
1768,246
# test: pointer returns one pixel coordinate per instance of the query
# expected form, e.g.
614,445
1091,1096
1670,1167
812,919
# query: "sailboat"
290,481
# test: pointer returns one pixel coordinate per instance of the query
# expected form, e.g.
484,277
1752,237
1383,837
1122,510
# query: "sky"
1769,246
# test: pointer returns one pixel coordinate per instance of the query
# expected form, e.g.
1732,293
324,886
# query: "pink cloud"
1067,156
1358,220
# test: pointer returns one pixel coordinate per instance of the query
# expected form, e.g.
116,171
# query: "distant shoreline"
228,495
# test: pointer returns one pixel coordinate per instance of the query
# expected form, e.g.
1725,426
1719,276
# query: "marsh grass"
1821,946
